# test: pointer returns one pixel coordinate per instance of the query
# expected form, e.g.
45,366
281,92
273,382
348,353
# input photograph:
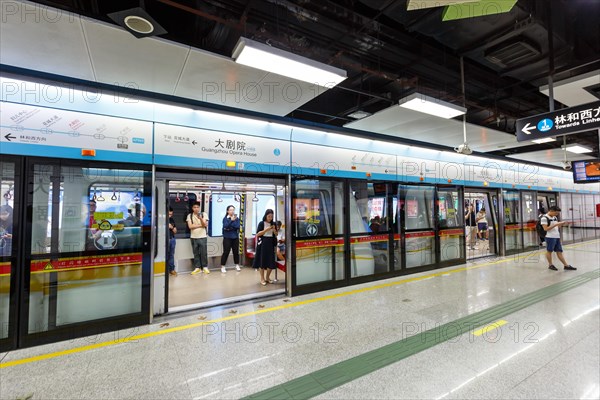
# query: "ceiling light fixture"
577,149
544,140
359,114
259,55
429,105
137,22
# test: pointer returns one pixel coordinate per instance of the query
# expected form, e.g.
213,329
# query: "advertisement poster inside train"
412,208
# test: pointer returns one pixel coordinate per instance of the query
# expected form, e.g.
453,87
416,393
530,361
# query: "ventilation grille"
514,52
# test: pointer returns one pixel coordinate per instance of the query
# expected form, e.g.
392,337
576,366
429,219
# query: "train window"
217,211
100,214
98,210
313,209
448,209
182,206
371,201
418,207
318,226
41,222
511,207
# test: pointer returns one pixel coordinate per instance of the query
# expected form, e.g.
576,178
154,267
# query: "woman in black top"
264,258
231,233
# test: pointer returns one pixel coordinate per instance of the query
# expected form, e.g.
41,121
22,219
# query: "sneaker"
206,270
223,270
196,271
173,273
237,268
570,268
553,268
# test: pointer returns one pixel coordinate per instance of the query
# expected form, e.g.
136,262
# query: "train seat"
250,248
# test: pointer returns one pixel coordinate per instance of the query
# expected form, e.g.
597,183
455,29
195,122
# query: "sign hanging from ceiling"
561,122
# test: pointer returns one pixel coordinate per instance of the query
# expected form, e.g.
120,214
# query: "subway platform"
493,328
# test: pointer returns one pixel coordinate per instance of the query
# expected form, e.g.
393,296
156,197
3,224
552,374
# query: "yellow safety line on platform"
490,327
256,312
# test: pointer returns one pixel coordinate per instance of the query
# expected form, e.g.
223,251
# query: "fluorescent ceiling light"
544,140
258,55
577,149
429,105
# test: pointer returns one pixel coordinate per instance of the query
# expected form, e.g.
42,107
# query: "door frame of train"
168,175
438,229
496,215
16,258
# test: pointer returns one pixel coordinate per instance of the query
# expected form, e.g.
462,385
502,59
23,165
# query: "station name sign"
562,122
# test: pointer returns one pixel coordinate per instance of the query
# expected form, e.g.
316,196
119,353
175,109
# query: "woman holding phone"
264,259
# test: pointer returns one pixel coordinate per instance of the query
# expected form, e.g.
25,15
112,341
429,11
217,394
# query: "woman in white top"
264,258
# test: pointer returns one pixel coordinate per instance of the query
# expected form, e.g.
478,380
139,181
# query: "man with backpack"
550,225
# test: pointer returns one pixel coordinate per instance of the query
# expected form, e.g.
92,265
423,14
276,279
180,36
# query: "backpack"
540,228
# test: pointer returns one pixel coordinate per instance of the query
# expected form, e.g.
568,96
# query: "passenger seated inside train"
375,224
280,242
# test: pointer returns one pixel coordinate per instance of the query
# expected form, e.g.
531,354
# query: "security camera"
566,165
463,149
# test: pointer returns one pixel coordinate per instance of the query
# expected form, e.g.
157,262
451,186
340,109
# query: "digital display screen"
586,171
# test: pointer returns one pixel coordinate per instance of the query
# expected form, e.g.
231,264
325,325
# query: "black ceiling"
390,52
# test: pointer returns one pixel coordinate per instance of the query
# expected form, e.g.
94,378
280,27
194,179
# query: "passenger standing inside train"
91,233
172,243
198,223
482,225
264,258
551,225
471,227
6,230
231,238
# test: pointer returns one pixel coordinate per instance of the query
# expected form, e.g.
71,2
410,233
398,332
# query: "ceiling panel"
571,92
551,156
400,122
119,58
47,40
216,79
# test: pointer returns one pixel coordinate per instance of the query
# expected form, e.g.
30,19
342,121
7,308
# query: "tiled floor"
547,350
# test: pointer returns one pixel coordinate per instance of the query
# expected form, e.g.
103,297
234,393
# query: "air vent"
513,52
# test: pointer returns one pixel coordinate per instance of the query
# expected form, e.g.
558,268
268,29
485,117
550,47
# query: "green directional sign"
477,9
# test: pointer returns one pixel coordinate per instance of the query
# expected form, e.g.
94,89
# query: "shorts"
281,247
482,226
553,244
